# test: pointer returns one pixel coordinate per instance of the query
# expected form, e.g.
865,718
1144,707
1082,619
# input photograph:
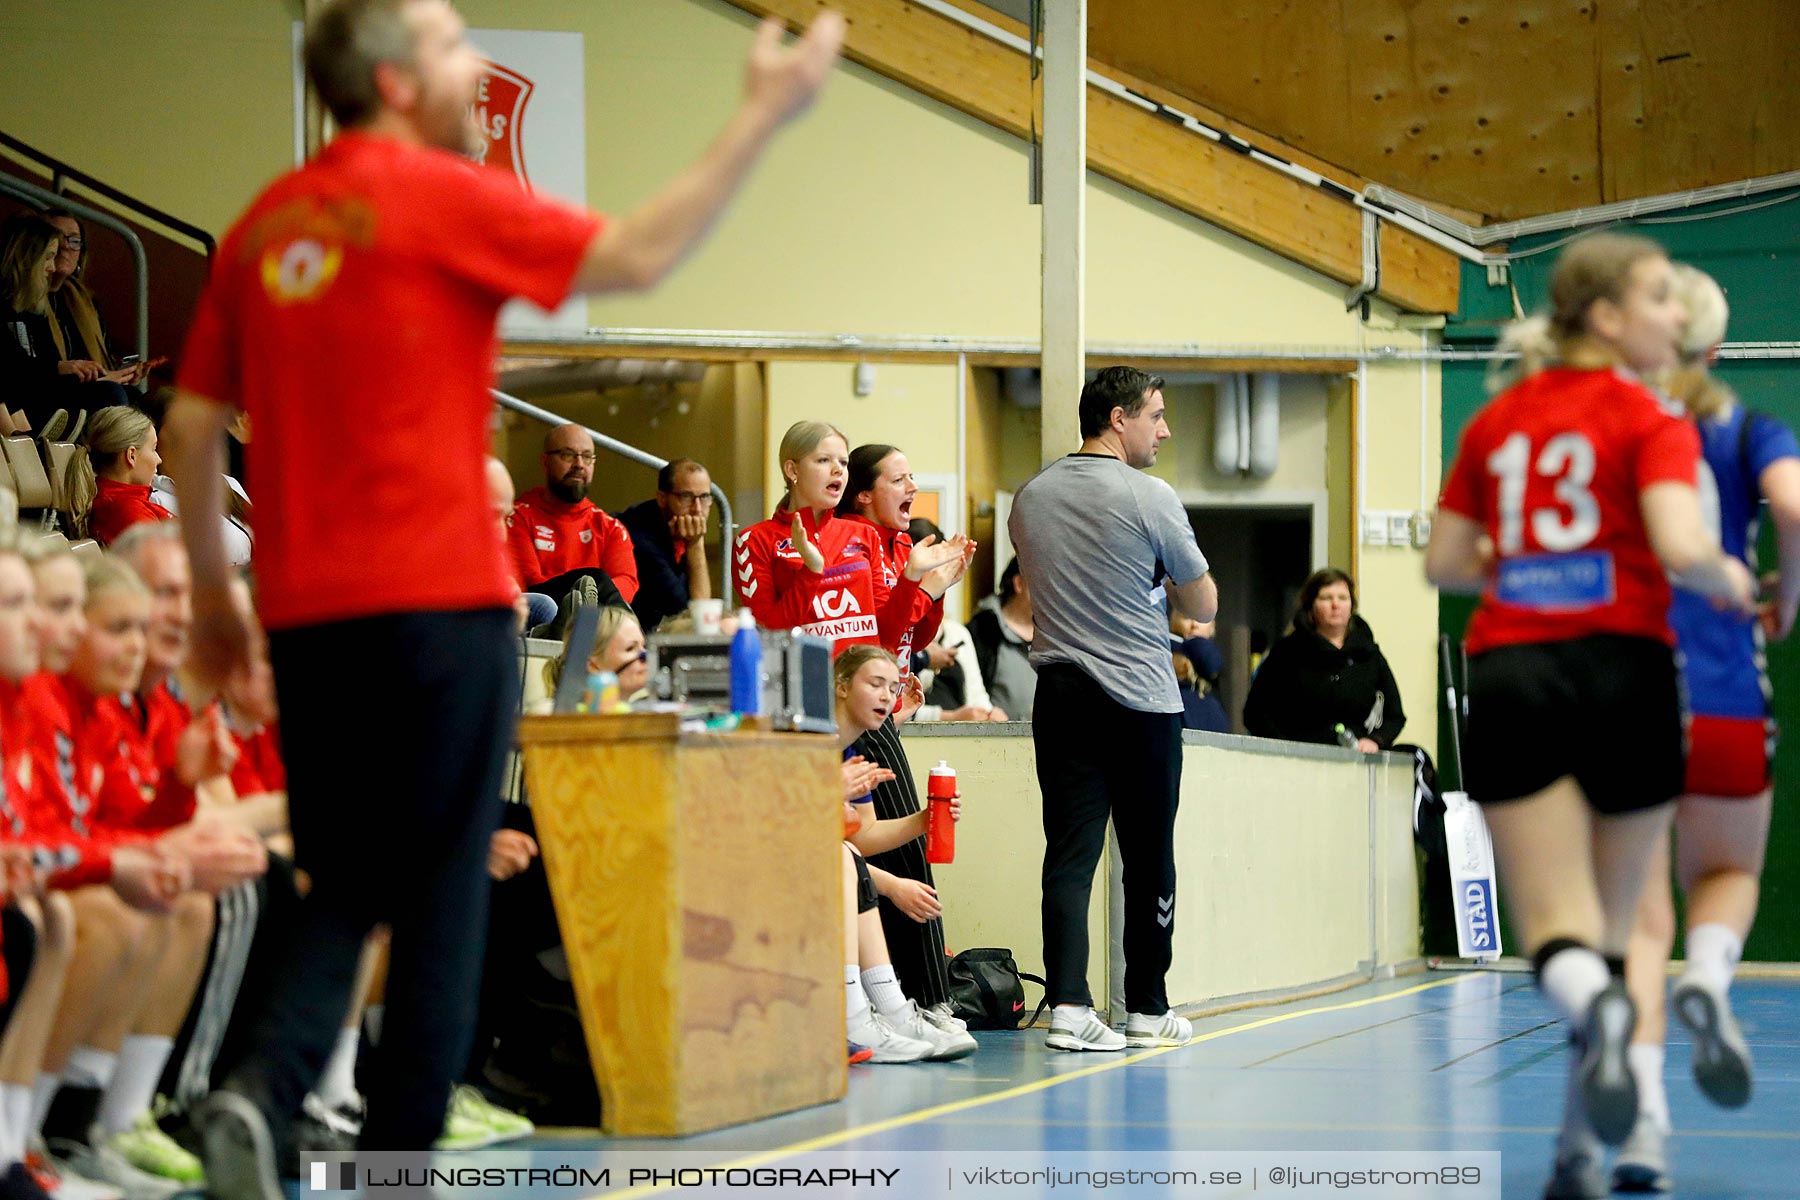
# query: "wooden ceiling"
1507,108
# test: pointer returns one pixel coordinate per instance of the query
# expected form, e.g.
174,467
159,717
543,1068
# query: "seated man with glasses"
668,538
563,545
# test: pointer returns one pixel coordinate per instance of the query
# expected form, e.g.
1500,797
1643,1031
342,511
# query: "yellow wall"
186,105
882,213
913,407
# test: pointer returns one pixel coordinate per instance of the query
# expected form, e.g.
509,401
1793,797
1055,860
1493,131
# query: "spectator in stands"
83,333
534,608
947,668
1326,672
37,372
668,540
1002,633
108,486
559,537
1198,664
235,524
880,1015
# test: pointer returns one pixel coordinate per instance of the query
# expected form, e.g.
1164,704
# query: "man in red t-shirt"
557,535
351,313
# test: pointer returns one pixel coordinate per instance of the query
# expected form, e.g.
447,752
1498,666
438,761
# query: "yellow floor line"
1037,1085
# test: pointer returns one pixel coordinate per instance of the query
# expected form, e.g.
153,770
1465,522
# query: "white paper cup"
707,614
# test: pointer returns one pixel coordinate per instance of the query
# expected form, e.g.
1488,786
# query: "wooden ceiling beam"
975,75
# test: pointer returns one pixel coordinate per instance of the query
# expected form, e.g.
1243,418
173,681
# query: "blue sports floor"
1444,1061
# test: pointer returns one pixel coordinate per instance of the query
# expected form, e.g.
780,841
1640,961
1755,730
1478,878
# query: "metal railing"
62,173
727,526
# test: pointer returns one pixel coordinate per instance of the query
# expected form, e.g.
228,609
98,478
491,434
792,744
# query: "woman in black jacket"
1326,672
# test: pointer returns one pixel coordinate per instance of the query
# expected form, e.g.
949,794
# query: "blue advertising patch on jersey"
1556,582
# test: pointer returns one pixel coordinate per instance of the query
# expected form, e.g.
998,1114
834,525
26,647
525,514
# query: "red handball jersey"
1552,468
905,614
119,506
782,594
351,313
549,537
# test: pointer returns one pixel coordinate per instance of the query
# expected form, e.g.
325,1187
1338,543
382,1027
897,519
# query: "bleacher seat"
60,454
54,539
85,549
30,482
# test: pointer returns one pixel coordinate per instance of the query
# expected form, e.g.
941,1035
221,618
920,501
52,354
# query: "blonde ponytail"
110,432
1691,382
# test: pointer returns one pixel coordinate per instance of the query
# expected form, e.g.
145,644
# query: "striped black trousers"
916,948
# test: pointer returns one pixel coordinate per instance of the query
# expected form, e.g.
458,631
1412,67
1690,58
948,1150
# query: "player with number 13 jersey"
1552,469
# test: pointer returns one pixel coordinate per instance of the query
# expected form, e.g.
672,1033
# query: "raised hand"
781,82
809,553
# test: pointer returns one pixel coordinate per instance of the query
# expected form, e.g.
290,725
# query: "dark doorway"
1260,555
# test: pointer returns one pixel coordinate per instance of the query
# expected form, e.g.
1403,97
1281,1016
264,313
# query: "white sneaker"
947,1045
69,1184
1081,1029
869,1028
104,1165
944,1017
1721,1056
1166,1030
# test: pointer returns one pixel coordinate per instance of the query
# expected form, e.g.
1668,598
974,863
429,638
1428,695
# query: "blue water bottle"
746,667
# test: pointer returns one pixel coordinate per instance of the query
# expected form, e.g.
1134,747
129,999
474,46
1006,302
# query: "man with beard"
352,314
559,537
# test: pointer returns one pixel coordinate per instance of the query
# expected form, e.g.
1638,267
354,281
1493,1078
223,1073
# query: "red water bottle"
940,827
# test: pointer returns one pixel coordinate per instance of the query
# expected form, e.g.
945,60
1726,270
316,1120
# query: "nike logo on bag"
1020,1004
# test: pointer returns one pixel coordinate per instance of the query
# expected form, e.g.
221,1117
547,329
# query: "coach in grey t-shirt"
1100,545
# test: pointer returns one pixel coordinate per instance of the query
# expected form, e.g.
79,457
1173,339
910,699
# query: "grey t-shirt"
1096,540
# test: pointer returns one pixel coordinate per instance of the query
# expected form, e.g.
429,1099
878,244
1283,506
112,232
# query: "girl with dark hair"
1326,672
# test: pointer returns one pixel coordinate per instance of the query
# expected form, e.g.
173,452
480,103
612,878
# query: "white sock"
884,991
48,1084
88,1067
337,1087
1713,952
15,1111
856,1001
1646,1060
372,1021
128,1097
1571,978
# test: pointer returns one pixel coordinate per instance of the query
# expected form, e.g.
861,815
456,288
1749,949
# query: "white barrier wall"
1295,863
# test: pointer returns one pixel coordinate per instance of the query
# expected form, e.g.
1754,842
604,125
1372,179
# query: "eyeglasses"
584,457
698,499
72,242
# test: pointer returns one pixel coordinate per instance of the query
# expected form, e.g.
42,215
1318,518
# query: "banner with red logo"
530,110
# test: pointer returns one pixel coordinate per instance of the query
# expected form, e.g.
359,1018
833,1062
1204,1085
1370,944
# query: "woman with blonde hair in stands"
37,373
1722,816
108,486
1571,502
